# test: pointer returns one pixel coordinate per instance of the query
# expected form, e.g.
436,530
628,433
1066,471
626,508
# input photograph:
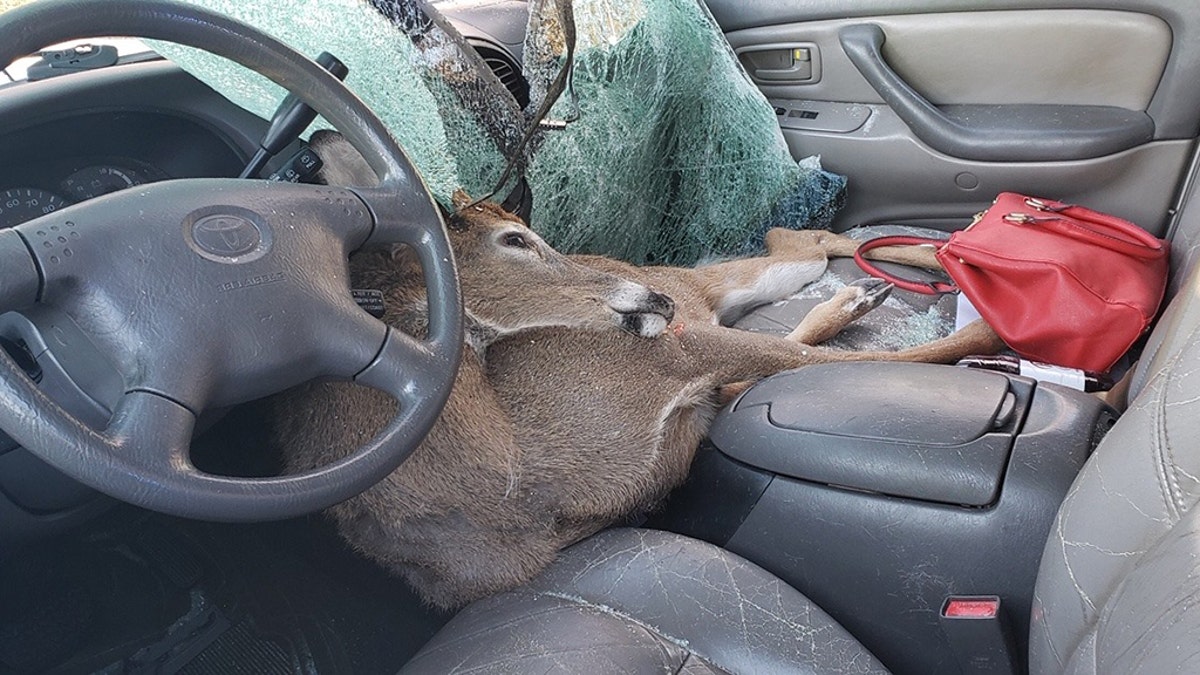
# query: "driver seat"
643,601
1118,590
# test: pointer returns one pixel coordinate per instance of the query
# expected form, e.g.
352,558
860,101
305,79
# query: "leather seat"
645,601
1118,590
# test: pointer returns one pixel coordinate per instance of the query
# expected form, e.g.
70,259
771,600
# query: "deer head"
511,279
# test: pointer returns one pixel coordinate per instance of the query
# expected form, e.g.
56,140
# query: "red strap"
923,287
1130,239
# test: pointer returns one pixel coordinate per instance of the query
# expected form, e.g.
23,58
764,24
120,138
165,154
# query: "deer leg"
848,304
976,337
735,287
733,356
783,242
794,259
841,246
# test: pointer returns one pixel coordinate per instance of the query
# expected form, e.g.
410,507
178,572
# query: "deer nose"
642,311
651,318
663,305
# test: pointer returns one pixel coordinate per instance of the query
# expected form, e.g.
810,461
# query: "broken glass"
675,155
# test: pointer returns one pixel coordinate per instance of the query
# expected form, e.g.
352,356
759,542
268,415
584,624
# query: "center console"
881,490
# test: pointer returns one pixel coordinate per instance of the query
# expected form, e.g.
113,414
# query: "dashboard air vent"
506,70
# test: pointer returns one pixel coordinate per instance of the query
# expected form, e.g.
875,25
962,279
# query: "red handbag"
1059,283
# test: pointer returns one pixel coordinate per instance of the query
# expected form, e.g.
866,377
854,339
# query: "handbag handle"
1101,229
923,287
1109,231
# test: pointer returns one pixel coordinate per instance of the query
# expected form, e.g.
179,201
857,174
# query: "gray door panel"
1175,101
895,178
998,132
1097,106
1062,57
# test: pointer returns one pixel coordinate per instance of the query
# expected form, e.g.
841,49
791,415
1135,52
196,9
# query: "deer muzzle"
642,311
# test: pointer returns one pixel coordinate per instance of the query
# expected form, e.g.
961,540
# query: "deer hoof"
865,295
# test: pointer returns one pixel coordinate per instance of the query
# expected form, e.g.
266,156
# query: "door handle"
791,63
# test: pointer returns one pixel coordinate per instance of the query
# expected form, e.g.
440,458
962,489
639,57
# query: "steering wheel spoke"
405,367
402,212
19,278
153,432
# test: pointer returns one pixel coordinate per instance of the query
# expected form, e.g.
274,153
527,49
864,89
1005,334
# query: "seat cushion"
630,600
904,320
1134,497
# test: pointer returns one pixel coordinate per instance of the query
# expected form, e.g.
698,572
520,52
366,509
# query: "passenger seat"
908,319
904,320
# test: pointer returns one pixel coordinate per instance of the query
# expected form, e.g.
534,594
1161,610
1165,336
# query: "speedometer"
21,204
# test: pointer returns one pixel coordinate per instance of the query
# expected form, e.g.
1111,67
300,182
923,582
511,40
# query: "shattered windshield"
661,150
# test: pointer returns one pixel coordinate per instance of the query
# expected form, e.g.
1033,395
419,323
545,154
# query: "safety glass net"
661,150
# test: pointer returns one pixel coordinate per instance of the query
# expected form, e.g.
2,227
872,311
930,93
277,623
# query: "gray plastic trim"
502,21
895,178
1001,132
849,549
75,374
839,118
782,76
1057,57
965,427
21,280
1175,101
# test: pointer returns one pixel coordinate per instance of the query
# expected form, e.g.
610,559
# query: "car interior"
862,517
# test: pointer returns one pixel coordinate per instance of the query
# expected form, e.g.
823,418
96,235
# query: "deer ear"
460,198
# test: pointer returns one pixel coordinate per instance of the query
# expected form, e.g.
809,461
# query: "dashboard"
64,146
84,156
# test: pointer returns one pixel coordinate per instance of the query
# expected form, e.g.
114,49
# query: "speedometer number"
24,204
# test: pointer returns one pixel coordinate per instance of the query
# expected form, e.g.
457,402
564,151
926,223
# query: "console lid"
921,431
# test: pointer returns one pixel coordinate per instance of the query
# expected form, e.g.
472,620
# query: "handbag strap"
923,287
1101,229
1096,232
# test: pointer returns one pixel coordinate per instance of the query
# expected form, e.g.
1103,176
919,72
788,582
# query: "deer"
586,387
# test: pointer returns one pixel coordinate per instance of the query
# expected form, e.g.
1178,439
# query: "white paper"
1043,372
965,313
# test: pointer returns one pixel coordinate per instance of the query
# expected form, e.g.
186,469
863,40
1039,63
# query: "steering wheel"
211,292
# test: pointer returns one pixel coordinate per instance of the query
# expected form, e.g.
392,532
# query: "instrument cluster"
60,186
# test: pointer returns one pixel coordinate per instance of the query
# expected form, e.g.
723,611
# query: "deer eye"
515,240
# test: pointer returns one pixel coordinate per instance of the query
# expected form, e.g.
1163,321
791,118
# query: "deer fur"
572,407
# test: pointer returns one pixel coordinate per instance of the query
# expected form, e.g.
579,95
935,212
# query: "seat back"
1119,582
